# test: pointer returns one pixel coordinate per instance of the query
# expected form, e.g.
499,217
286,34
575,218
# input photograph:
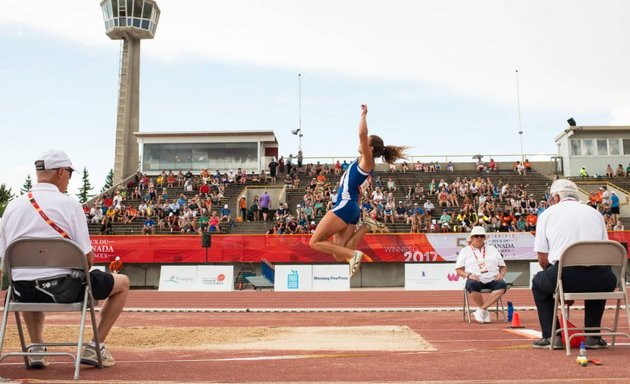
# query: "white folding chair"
509,279
47,253
587,254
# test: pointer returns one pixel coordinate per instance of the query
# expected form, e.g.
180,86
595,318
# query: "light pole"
300,111
520,128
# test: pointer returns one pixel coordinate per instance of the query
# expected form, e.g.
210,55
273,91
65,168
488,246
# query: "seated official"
483,267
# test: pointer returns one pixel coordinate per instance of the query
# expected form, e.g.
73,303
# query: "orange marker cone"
516,321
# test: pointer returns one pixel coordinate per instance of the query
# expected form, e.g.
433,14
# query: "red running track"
465,353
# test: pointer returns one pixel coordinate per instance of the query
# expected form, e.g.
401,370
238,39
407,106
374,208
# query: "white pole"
520,128
300,110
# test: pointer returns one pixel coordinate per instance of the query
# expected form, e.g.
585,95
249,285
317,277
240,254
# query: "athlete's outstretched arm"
364,141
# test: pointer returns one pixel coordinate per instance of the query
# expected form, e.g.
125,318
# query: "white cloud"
569,53
14,178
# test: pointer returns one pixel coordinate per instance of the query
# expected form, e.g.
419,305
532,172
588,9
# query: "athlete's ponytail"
388,153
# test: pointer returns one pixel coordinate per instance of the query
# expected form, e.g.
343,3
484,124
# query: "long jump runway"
357,336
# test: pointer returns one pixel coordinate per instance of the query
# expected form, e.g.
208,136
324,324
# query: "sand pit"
364,338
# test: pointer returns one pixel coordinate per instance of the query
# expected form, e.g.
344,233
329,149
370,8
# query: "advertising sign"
331,277
432,277
294,278
214,278
177,277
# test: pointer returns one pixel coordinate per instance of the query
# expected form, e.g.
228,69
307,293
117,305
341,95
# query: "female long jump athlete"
341,221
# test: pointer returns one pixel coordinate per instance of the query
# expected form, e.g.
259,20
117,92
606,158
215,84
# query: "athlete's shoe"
355,262
375,226
88,356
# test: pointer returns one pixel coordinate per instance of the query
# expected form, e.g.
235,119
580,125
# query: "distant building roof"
570,131
267,136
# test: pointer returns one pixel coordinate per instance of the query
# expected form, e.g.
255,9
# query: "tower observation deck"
129,21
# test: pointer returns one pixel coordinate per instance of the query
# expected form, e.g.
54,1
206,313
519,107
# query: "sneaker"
89,357
371,224
479,315
546,342
355,262
593,342
37,362
486,317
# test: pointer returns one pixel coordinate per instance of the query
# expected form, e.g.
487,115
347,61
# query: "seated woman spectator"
213,222
159,181
492,165
391,186
171,179
620,172
97,215
609,171
418,166
527,165
443,198
450,166
483,268
480,166
404,167
337,168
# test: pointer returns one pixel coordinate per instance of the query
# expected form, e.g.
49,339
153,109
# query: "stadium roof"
267,136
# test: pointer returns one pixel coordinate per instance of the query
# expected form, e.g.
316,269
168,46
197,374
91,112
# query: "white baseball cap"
53,159
563,185
476,231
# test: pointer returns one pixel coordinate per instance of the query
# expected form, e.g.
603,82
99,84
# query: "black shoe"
593,342
541,343
546,342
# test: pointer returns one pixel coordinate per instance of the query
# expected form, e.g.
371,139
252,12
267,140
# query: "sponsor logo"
452,276
179,279
221,277
293,280
330,278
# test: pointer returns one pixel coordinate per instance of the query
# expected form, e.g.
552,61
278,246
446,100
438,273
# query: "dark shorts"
348,211
614,210
102,286
476,286
264,210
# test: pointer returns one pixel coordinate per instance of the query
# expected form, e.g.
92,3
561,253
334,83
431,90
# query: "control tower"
129,21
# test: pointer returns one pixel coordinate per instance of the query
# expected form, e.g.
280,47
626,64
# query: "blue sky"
438,76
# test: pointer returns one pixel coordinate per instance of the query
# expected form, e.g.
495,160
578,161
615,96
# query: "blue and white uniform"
348,193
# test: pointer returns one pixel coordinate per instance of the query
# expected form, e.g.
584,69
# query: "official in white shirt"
483,267
66,219
564,223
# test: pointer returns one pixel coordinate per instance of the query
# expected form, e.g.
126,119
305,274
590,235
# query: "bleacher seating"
537,185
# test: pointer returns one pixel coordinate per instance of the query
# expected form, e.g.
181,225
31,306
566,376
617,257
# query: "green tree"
84,192
109,181
28,184
6,195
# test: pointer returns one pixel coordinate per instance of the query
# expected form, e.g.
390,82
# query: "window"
602,147
589,147
626,146
613,147
576,148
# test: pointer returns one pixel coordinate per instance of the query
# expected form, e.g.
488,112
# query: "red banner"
397,248
253,248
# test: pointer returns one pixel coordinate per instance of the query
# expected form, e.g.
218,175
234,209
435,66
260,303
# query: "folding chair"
47,253
509,278
586,254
